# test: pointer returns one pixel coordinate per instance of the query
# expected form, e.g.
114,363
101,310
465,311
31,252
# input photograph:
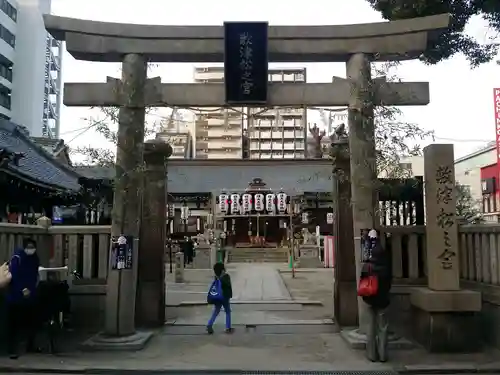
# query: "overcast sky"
461,109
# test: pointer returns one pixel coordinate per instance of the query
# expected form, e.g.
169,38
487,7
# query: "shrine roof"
202,176
36,165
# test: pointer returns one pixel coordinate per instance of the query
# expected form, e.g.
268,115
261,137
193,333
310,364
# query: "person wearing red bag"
377,265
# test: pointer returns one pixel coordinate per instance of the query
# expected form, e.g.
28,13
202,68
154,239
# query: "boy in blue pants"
227,293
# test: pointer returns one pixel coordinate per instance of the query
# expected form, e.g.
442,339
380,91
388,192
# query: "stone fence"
85,249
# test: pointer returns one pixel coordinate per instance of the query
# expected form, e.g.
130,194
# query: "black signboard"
246,62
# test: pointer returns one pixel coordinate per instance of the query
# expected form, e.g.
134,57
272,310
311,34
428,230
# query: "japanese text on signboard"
246,66
245,62
446,215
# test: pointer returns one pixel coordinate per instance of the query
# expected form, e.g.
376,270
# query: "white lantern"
247,203
185,212
223,202
235,203
270,205
305,218
281,198
329,218
259,202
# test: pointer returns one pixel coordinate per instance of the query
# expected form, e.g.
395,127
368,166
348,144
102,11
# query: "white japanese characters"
235,203
246,66
246,203
270,203
281,197
223,203
259,202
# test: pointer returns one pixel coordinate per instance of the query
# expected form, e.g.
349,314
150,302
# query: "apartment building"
272,133
30,68
179,134
218,131
279,133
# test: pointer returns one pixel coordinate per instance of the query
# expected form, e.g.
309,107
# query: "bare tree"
106,125
395,138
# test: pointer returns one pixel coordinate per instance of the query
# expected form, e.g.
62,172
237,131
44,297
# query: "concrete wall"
468,169
29,67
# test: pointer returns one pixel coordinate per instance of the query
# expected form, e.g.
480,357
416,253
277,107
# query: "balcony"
202,77
50,83
51,59
49,109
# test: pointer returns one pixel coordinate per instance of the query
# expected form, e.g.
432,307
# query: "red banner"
496,99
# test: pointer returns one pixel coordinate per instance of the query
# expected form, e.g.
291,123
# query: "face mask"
30,251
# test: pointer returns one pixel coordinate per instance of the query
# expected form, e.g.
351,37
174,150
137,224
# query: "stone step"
240,257
261,255
312,327
282,259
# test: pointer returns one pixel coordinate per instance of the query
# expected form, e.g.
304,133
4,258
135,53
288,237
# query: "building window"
8,9
6,71
5,99
7,36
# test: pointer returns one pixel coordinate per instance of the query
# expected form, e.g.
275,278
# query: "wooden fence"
85,249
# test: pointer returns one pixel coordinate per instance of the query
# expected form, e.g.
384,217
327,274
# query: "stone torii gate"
136,45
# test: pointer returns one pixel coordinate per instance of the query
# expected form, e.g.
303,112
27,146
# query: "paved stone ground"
194,288
258,282
249,349
260,297
220,351
312,284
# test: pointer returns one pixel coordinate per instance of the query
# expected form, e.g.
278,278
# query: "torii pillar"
130,95
366,93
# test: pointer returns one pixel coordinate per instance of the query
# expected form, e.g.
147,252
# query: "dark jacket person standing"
377,262
21,298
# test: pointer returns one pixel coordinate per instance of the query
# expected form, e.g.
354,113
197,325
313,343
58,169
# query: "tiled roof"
95,172
37,164
302,178
194,176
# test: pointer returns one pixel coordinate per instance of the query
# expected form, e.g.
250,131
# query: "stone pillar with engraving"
345,300
150,305
445,317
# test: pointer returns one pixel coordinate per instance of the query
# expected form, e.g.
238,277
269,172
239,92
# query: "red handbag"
368,286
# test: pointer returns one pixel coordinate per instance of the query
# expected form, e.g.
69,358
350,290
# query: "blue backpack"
215,292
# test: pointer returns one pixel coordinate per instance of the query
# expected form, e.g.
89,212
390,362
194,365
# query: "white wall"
8,23
468,171
7,50
29,65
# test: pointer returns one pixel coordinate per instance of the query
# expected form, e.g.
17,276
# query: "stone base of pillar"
357,340
309,257
137,341
447,321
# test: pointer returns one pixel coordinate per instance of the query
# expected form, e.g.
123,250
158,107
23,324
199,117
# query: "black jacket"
227,289
378,264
